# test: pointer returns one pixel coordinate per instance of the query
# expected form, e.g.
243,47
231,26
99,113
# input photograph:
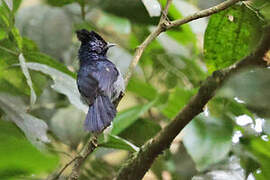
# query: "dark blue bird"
99,81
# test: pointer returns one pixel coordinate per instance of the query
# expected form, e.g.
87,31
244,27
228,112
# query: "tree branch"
203,13
164,24
141,162
78,160
90,147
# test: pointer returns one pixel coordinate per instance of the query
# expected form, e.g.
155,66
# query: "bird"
99,81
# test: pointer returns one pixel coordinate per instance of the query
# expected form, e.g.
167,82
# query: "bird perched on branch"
99,82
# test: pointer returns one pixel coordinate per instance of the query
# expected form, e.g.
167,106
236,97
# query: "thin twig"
9,51
140,49
166,9
90,147
64,168
203,13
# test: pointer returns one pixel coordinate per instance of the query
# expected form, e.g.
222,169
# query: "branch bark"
90,147
139,164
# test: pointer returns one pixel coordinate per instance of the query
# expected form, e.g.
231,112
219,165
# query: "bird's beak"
109,45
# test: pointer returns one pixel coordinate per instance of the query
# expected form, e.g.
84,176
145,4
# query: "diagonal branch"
139,164
203,13
90,147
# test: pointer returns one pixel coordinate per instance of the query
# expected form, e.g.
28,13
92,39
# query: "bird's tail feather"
100,114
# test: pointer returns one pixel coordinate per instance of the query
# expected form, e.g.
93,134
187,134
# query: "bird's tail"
100,114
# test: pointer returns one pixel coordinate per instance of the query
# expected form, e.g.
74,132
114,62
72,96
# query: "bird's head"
93,42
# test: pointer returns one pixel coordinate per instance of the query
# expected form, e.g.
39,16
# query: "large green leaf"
142,89
63,83
60,3
19,157
6,16
183,34
177,100
127,117
208,140
260,150
115,142
262,7
231,35
16,80
36,56
221,107
11,78
141,131
252,87
34,129
127,9
16,5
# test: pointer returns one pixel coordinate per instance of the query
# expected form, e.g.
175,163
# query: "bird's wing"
97,78
106,74
88,86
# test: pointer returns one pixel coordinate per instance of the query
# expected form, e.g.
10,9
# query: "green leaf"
6,15
220,106
60,3
260,150
12,78
262,7
16,5
63,84
116,142
208,140
3,34
177,100
244,85
16,34
34,129
19,157
127,9
140,131
142,89
231,35
127,117
183,34
35,56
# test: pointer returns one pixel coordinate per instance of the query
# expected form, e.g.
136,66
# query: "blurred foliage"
41,110
208,140
19,157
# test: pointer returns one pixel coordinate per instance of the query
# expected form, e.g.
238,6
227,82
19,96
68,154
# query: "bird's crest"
86,36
